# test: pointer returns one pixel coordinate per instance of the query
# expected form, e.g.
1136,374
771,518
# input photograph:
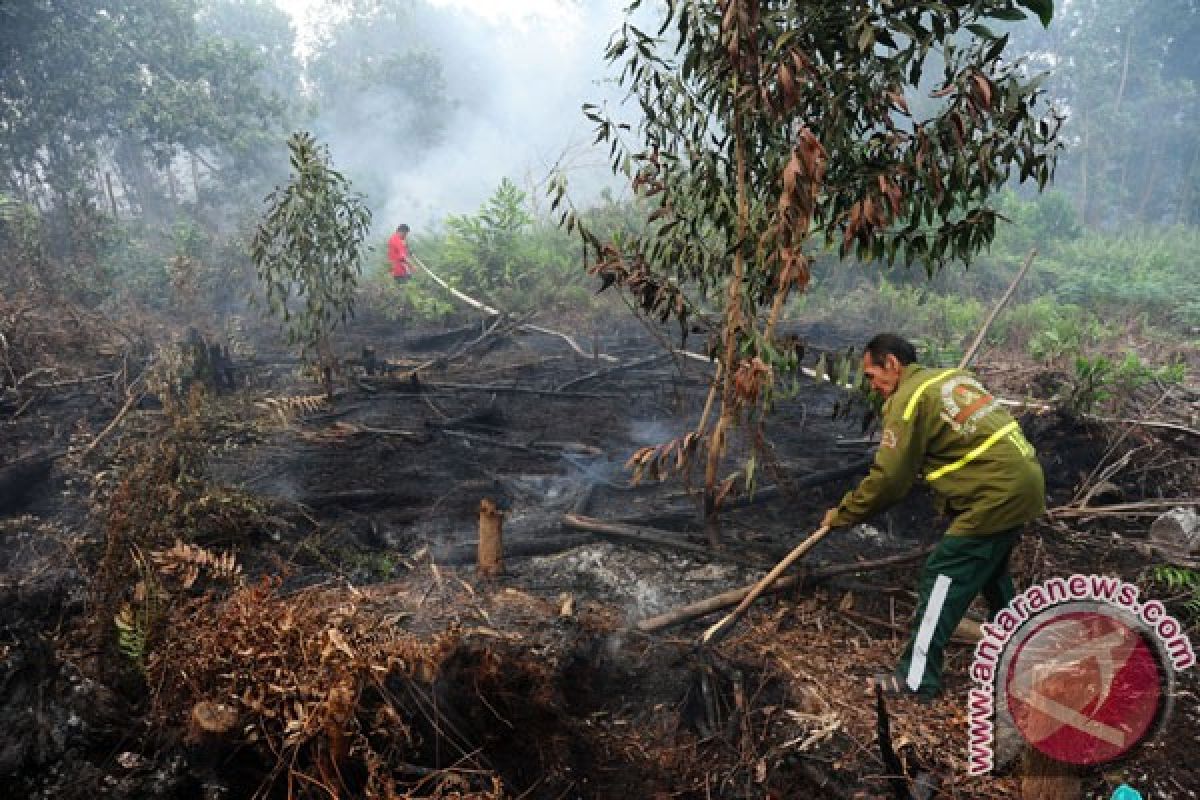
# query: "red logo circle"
1084,687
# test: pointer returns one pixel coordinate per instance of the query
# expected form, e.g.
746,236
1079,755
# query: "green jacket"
942,425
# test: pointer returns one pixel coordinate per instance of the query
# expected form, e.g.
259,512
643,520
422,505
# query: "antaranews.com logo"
1079,667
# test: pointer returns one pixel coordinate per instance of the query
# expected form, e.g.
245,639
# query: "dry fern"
310,678
187,561
287,409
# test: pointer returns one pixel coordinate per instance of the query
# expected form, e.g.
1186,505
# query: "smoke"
646,432
516,82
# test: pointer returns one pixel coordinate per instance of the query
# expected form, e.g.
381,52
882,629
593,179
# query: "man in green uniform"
942,425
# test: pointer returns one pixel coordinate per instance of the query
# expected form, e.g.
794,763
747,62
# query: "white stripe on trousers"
933,611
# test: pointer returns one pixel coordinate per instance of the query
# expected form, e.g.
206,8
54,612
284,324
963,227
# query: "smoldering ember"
559,399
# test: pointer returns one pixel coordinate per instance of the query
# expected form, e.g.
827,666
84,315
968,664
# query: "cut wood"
491,539
732,597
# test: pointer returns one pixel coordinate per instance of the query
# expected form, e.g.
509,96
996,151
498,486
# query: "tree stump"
491,539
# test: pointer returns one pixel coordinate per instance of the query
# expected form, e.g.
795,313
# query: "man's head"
402,229
884,360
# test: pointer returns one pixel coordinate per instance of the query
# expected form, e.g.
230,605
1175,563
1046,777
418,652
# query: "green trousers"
958,569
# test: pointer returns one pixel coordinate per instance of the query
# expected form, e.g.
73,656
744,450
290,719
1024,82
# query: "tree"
379,86
770,128
310,243
1128,73
266,33
257,90
94,90
483,249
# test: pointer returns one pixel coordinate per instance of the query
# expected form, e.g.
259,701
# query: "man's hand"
827,520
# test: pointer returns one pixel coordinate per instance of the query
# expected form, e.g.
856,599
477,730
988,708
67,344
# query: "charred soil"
249,589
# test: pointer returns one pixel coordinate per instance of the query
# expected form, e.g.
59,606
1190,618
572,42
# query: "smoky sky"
517,89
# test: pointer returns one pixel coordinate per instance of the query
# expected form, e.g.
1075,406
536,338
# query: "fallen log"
809,481
727,622
604,373
490,416
527,546
652,537
679,513
421,386
734,596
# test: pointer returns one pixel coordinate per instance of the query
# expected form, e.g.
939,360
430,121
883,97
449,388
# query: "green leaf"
1043,8
1009,14
982,31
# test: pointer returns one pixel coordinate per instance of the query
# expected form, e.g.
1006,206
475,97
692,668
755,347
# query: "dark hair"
402,228
890,344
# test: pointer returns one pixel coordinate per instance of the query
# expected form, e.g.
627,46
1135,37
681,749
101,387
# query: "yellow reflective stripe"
974,454
1022,444
912,401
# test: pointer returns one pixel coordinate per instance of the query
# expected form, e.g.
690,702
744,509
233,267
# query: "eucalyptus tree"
770,129
309,245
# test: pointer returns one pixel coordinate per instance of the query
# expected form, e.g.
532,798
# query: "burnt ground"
543,686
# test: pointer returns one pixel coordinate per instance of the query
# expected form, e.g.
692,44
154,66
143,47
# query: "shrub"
502,255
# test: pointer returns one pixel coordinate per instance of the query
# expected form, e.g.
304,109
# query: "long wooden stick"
733,616
987,323
732,597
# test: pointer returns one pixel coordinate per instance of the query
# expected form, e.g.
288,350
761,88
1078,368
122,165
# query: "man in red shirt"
398,254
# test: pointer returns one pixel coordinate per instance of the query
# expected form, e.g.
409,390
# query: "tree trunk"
1083,170
112,198
491,539
1124,70
325,365
1148,191
733,321
1185,195
171,185
195,176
